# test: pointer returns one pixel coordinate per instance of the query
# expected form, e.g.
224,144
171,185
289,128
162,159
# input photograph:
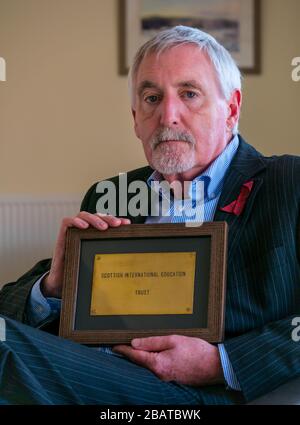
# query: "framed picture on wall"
234,23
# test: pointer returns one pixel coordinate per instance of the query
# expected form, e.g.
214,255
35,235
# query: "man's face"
180,114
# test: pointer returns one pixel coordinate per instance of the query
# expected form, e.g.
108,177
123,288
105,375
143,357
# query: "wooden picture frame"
206,319
234,23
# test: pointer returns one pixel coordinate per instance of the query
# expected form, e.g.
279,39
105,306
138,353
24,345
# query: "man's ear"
234,107
135,123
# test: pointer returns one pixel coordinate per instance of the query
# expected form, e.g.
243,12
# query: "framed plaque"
143,280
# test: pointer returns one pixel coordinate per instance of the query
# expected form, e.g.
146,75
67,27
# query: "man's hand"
186,360
51,285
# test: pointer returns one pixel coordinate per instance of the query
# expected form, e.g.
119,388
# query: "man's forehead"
184,63
175,52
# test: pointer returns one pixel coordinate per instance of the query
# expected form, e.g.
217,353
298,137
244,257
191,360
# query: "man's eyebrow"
146,84
190,84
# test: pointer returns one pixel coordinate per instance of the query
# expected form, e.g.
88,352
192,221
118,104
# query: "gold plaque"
143,280
143,283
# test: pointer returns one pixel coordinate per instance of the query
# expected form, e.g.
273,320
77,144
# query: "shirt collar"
213,176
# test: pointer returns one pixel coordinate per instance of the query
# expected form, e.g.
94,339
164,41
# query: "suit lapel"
245,166
140,219
145,197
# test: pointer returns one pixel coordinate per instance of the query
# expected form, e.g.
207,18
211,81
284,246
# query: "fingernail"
135,342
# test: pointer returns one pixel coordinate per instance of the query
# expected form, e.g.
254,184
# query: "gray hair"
227,72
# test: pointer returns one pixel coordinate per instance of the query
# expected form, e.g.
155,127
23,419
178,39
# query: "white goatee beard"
172,159
166,161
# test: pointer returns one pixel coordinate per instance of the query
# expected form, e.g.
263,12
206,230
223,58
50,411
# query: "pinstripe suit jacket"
263,282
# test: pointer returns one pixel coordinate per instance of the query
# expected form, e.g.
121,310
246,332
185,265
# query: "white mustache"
166,134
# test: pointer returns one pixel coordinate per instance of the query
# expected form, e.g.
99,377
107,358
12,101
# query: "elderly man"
186,99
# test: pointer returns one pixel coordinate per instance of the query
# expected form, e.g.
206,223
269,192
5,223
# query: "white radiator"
28,230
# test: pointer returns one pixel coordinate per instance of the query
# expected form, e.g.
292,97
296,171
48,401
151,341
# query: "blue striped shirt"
212,178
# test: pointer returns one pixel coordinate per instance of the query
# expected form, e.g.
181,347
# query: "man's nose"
169,112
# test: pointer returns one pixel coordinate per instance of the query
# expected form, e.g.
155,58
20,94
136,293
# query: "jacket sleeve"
269,356
14,295
265,358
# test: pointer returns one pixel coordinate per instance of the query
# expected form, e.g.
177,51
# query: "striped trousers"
40,368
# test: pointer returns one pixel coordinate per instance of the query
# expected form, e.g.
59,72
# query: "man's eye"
151,99
190,94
